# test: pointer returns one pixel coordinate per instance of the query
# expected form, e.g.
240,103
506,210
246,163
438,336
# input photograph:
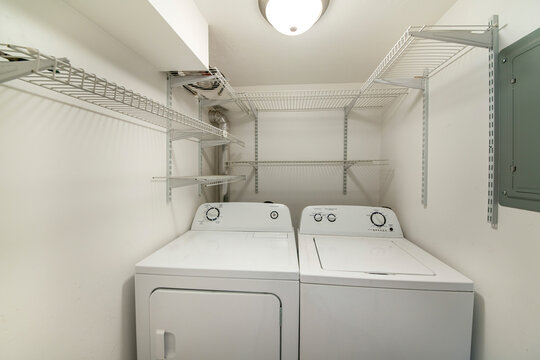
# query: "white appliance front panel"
264,255
239,216
346,323
369,255
210,325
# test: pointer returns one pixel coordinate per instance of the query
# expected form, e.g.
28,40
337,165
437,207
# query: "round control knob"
274,215
378,219
212,214
331,217
317,217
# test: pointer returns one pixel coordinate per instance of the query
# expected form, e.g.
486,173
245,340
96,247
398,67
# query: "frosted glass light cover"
293,17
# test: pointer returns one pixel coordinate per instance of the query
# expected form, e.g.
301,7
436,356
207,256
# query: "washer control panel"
242,217
350,220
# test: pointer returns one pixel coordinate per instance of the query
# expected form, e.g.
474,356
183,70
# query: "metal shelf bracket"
414,83
464,37
15,69
177,81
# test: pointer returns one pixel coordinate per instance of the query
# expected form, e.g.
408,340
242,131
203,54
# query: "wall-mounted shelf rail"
57,74
313,100
210,180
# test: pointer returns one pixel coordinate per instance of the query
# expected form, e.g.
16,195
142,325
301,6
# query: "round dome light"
292,17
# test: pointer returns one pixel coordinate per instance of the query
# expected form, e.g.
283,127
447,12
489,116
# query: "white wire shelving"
428,49
424,51
314,100
206,180
57,74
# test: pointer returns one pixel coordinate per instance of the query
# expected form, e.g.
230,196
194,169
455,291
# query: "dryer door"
209,325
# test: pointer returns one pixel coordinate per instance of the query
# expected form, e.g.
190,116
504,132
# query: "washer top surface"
364,246
368,255
228,254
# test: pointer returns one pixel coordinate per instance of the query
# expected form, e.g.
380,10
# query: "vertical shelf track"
493,191
256,168
425,136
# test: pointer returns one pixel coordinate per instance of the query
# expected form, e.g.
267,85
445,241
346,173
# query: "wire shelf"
428,49
210,180
300,100
346,163
59,75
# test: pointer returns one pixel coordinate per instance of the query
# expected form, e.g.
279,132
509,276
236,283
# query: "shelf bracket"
466,37
414,83
425,135
15,69
177,81
493,190
345,140
205,103
211,143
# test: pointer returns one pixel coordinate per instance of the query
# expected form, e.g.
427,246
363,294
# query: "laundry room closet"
119,118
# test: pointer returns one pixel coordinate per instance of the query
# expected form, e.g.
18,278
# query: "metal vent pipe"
219,120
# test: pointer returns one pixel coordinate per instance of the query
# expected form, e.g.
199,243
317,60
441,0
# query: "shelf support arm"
414,83
177,81
15,69
466,37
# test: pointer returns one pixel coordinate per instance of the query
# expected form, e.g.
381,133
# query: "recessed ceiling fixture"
292,17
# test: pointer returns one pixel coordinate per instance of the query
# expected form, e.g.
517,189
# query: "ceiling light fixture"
292,17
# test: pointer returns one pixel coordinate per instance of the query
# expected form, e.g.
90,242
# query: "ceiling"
345,45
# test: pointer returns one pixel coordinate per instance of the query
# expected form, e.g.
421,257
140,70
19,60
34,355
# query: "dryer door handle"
160,344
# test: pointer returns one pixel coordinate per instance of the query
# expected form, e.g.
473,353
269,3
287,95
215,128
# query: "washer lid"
368,255
226,254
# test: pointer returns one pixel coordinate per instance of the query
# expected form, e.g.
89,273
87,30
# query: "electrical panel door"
519,123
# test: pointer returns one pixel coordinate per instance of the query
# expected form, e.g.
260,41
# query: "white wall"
78,205
503,263
315,135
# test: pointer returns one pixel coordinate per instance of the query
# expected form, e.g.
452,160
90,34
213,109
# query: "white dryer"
227,289
368,293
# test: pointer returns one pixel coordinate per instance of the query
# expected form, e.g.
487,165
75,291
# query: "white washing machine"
367,293
226,289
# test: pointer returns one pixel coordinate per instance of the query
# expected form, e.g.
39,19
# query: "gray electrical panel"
519,123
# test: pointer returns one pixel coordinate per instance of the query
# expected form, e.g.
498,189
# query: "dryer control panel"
237,216
349,220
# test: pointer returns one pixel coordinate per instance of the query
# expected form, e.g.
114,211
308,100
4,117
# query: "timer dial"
378,219
212,214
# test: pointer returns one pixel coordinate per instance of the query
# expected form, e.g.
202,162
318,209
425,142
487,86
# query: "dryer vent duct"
219,120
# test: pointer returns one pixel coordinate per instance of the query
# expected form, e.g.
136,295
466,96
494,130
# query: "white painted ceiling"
345,45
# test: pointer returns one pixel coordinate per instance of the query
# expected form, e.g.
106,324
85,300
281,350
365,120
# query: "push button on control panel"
274,215
331,217
317,217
